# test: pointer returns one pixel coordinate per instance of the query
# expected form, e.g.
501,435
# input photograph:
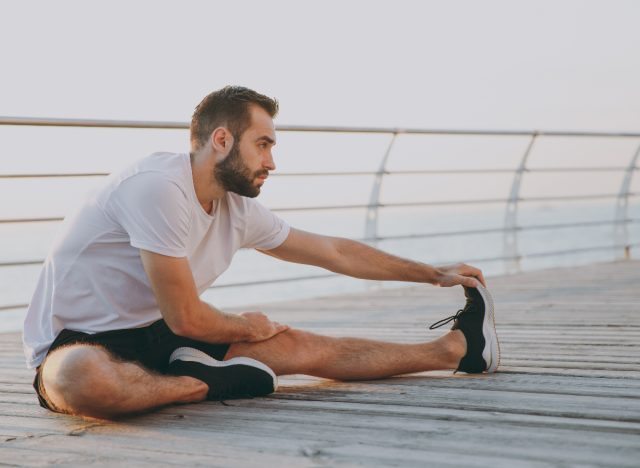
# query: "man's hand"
459,273
261,328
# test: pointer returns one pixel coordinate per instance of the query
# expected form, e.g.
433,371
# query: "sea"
330,170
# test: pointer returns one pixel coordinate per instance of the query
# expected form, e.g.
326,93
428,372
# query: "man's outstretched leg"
300,352
471,346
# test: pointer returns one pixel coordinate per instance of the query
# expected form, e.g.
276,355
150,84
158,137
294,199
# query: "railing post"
620,229
510,238
371,218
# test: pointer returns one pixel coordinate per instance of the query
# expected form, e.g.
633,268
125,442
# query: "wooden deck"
567,394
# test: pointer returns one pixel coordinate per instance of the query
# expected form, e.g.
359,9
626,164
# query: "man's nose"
269,163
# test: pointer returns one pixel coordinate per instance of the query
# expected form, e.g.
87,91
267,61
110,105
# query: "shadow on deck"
568,391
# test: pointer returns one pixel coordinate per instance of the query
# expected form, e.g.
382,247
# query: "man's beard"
234,176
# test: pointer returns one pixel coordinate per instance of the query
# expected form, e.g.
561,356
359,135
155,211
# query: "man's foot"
239,377
477,322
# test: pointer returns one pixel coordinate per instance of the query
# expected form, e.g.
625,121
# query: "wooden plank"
568,392
278,430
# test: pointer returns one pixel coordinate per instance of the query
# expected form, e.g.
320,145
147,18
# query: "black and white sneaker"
239,377
477,322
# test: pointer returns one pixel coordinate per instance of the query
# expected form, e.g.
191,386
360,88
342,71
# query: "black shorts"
149,346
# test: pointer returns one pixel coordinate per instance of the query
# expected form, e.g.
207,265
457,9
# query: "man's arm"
186,315
359,260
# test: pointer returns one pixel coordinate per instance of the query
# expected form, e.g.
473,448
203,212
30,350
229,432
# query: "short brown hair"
227,107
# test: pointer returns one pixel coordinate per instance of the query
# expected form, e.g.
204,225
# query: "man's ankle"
194,390
456,346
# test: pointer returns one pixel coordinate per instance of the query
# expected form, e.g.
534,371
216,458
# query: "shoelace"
444,321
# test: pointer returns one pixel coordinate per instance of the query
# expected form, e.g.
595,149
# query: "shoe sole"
195,355
491,351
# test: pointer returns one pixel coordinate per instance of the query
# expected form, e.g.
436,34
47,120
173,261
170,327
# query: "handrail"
510,237
620,231
54,176
355,173
511,228
371,220
160,125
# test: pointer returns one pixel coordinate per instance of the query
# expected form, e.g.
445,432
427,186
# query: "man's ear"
222,141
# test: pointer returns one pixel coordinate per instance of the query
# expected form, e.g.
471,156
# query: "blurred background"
531,111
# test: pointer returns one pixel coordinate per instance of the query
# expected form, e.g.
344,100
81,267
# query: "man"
116,325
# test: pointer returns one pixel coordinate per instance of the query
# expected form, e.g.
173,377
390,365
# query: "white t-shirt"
93,279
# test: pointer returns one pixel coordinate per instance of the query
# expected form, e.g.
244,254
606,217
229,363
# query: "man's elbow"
182,323
341,258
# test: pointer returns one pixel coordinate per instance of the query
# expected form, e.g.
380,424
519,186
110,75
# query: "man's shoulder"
162,159
156,177
169,165
154,167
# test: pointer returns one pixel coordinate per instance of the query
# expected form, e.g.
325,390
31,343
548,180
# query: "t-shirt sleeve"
154,211
263,229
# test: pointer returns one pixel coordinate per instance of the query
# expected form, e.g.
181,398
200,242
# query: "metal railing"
511,256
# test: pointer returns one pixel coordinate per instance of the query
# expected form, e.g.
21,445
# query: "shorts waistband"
156,330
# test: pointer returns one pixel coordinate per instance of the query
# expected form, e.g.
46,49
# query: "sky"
558,64
526,65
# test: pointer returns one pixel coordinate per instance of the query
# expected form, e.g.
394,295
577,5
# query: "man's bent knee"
77,379
285,353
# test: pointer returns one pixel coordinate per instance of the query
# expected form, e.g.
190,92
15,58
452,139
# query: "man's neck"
207,189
